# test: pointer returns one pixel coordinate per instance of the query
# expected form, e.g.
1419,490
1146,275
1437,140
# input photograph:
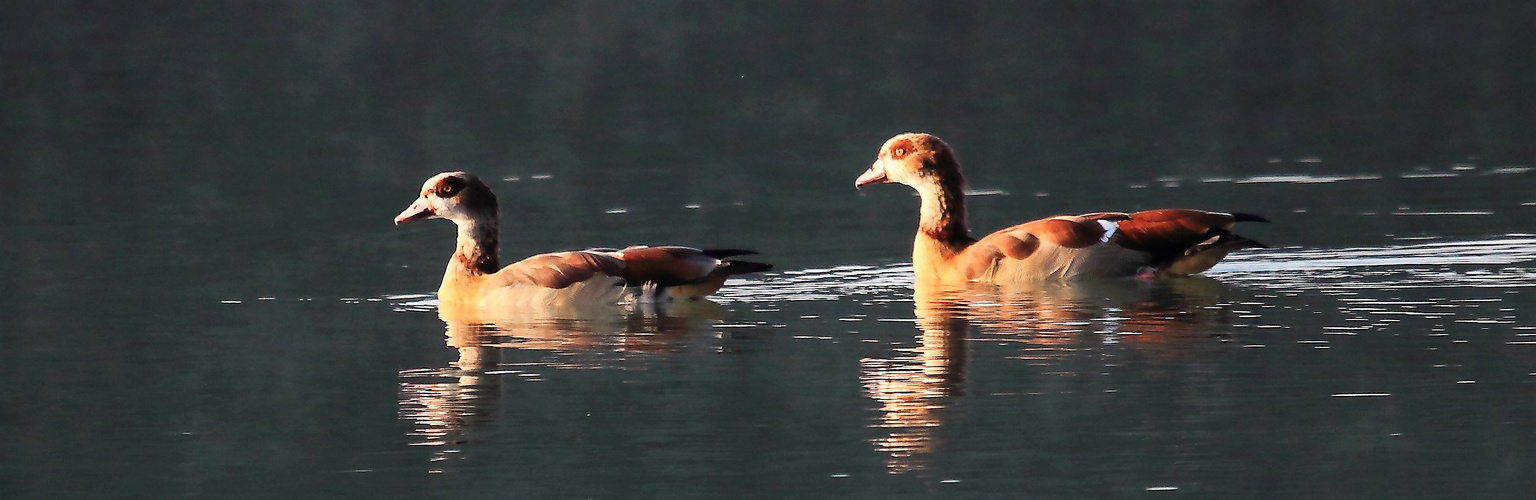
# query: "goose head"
456,196
921,161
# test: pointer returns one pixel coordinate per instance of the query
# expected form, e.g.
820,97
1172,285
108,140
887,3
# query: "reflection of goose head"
914,385
1049,321
453,401
583,330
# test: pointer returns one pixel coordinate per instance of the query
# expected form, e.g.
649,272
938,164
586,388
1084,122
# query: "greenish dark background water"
201,294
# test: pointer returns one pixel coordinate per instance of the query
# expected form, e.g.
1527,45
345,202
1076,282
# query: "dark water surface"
201,294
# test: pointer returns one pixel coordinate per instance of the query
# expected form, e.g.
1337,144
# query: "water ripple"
821,284
1490,263
1505,262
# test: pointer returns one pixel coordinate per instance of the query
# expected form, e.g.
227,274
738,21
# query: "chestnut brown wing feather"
1070,231
666,266
560,269
1170,231
663,266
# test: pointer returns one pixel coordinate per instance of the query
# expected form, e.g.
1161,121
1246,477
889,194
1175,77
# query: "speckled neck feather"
478,250
478,247
943,213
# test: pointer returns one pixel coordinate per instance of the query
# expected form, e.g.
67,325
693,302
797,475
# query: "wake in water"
1508,262
1492,263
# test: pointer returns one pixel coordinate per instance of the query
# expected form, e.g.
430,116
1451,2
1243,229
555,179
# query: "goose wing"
559,269
1064,246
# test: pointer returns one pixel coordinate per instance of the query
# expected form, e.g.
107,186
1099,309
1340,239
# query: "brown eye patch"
901,149
449,187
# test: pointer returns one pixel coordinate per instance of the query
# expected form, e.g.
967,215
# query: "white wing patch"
1109,229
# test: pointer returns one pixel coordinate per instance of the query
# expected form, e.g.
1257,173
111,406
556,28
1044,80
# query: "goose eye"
449,187
899,152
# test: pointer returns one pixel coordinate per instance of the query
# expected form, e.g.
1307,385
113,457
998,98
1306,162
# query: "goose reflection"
1057,320
912,386
1050,323
447,405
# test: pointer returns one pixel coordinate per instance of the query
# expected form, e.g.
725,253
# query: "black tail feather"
734,267
721,253
1247,217
1231,239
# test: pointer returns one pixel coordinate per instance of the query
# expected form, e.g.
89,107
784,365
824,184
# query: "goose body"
474,282
1170,241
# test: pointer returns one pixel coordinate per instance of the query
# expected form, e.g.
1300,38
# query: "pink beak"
875,175
422,209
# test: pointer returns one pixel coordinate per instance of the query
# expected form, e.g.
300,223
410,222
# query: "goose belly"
1054,262
601,290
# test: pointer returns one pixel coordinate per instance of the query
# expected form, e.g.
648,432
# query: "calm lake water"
202,295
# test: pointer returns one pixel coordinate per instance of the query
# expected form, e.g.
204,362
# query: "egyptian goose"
1169,241
475,280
